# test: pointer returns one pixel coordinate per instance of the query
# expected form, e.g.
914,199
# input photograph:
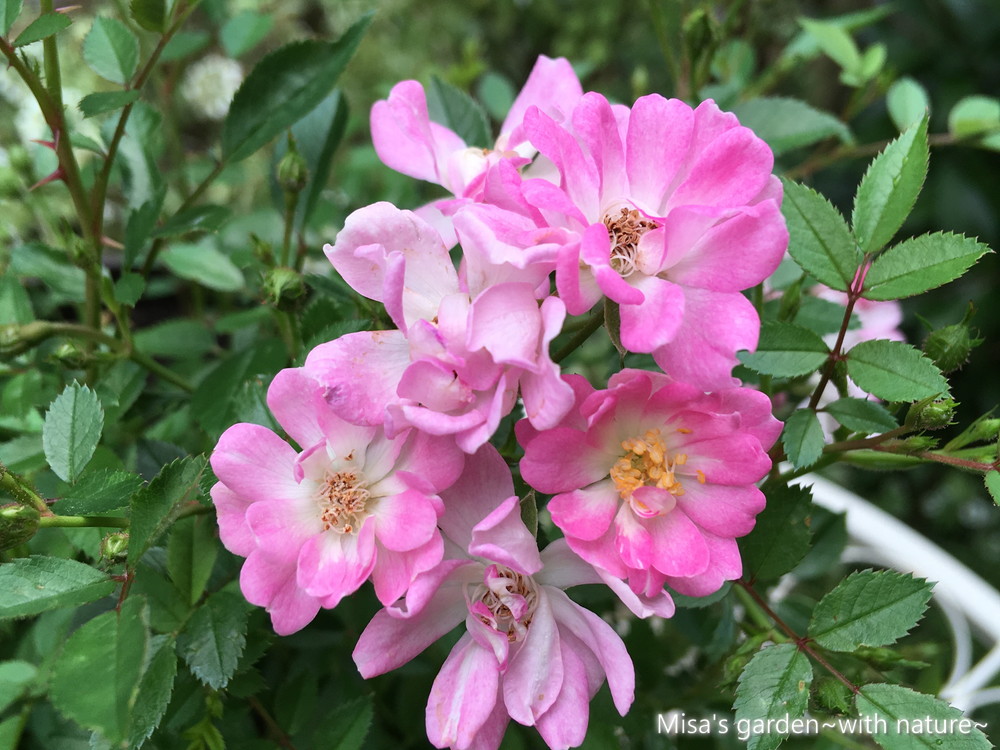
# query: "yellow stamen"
647,463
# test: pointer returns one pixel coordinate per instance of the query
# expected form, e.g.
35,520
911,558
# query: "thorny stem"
944,458
801,642
22,491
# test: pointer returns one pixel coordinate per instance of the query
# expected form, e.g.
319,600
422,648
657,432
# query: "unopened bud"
18,523
70,354
114,547
283,285
949,347
293,173
916,444
931,414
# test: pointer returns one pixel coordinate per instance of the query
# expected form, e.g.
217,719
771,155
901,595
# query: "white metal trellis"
968,602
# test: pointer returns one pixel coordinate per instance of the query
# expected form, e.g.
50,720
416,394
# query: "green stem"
21,491
291,202
82,522
595,322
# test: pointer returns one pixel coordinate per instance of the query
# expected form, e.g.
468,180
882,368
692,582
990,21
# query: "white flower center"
625,228
342,499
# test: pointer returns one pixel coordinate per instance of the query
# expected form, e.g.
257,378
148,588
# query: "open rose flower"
653,479
529,653
668,211
314,525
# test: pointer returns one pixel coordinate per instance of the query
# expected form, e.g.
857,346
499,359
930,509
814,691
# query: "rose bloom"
528,653
315,524
653,479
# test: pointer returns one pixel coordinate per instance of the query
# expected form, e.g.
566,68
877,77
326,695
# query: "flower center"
505,601
646,463
342,499
624,231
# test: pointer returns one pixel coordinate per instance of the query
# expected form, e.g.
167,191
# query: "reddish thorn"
57,175
68,9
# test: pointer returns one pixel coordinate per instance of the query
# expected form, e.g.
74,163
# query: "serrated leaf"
154,691
282,88
786,350
781,536
346,726
907,102
9,11
803,438
992,481
99,492
156,505
204,264
902,719
869,608
73,426
214,638
774,685
42,27
242,32
894,371
974,115
459,112
818,237
197,219
191,553
96,681
111,50
15,677
786,124
925,262
105,101
129,288
149,14
30,585
890,188
860,415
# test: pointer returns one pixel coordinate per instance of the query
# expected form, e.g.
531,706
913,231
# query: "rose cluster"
659,210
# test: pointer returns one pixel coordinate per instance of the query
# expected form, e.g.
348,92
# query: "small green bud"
701,32
282,285
15,339
931,414
71,355
18,523
949,347
915,444
293,173
114,547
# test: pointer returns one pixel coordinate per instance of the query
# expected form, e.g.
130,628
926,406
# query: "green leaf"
900,719
15,677
786,350
835,42
111,50
213,399
9,11
141,222
96,681
497,94
346,726
781,536
155,506
818,237
197,219
803,438
154,691
191,553
786,124
204,264
129,288
921,263
456,110
106,101
242,32
974,115
992,481
73,426
317,136
150,14
869,608
890,187
860,415
99,492
42,27
184,44
894,371
120,387
214,639
282,88
907,102
179,339
30,585
774,685
38,261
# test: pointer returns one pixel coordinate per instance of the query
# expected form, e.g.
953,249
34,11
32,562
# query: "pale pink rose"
465,348
666,210
315,524
529,653
408,141
653,479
